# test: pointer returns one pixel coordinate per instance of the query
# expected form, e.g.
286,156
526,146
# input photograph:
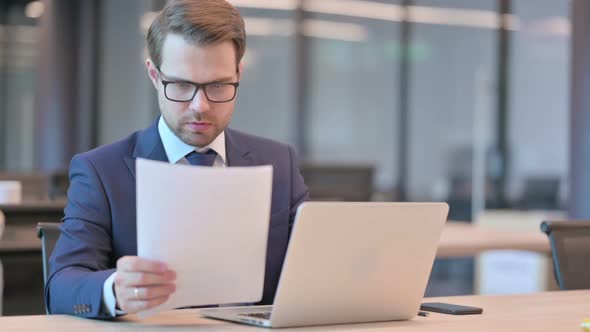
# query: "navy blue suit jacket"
100,218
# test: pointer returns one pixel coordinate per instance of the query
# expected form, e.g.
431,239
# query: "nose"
200,103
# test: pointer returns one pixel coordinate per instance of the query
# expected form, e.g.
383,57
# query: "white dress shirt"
175,150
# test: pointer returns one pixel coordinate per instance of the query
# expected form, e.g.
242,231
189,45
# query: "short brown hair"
203,22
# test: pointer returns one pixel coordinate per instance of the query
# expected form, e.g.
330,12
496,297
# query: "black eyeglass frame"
197,88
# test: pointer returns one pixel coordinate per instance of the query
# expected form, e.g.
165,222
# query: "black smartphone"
451,309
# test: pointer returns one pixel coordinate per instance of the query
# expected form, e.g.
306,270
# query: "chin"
197,140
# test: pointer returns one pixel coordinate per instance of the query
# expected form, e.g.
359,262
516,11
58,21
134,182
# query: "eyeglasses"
216,92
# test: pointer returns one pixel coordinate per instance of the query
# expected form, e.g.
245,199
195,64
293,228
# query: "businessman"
195,51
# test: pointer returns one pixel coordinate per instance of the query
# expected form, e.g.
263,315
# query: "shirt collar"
176,149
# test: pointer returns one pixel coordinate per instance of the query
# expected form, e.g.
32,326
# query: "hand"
142,284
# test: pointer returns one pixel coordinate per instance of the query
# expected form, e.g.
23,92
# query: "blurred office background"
463,101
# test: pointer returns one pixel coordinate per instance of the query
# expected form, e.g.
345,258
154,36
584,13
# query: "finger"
141,279
148,293
136,306
123,294
138,264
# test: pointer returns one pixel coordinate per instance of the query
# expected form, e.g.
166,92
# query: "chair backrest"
570,249
59,183
338,182
541,193
48,232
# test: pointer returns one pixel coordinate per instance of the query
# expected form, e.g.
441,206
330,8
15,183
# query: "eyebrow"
182,80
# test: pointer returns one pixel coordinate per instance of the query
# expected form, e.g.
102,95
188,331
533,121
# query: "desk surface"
35,206
551,311
20,233
459,239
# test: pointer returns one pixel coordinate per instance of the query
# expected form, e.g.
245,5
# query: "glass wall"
452,115
127,100
354,85
452,109
18,72
265,104
539,104
352,89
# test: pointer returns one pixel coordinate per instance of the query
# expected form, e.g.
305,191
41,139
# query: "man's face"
197,122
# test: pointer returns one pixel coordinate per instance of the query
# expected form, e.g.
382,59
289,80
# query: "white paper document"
210,225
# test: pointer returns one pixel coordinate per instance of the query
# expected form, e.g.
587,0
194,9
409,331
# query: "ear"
240,69
152,72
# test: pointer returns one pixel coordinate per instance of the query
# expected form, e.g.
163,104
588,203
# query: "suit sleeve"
82,258
299,191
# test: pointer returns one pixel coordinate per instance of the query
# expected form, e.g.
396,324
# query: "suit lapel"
148,146
238,153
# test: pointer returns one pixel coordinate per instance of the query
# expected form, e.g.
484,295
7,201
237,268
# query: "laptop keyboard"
259,315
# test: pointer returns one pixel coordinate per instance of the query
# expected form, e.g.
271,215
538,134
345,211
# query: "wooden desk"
459,239
552,311
20,233
41,205
20,252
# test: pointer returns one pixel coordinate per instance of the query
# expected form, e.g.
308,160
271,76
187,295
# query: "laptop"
350,262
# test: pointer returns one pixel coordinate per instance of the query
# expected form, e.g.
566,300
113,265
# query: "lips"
198,126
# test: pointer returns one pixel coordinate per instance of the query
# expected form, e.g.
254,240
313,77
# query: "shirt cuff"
109,301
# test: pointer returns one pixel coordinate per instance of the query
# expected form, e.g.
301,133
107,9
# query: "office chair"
59,183
570,249
339,182
21,255
48,232
541,192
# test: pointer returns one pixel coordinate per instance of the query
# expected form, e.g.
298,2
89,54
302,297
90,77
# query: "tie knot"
202,159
